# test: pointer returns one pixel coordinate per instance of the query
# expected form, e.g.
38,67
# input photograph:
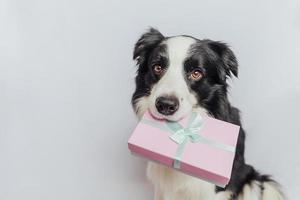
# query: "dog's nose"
167,105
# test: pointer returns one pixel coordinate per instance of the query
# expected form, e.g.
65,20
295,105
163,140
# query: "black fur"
218,63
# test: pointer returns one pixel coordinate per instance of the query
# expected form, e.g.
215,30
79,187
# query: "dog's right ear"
145,44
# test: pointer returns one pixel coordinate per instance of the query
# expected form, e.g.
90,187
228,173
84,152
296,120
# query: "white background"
66,79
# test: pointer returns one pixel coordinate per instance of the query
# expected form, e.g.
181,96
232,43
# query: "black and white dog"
180,74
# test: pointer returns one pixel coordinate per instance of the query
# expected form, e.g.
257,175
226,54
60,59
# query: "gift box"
203,147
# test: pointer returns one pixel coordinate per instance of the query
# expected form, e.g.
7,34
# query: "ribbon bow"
190,132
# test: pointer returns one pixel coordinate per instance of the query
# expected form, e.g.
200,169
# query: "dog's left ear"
145,44
228,58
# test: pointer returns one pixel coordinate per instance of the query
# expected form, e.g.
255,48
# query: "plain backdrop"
66,79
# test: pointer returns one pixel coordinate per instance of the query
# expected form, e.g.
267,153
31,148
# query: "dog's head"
179,74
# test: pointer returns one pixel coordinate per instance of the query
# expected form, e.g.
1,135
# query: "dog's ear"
228,58
145,44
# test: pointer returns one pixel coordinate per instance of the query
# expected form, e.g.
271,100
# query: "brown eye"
157,69
196,75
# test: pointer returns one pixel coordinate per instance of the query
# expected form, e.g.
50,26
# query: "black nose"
167,105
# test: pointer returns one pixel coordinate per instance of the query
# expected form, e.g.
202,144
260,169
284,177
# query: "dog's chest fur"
174,185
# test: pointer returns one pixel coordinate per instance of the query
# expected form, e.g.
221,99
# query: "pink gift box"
203,147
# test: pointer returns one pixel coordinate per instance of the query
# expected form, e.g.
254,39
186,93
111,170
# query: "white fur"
170,184
141,105
272,191
174,185
251,192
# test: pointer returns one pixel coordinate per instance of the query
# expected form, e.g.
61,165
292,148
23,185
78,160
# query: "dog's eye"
158,70
196,75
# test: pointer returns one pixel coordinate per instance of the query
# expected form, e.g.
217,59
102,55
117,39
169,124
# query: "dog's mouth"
161,117
155,116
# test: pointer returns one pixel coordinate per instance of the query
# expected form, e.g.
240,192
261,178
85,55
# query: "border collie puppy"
180,74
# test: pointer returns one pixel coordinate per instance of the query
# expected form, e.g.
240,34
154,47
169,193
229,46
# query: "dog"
180,74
